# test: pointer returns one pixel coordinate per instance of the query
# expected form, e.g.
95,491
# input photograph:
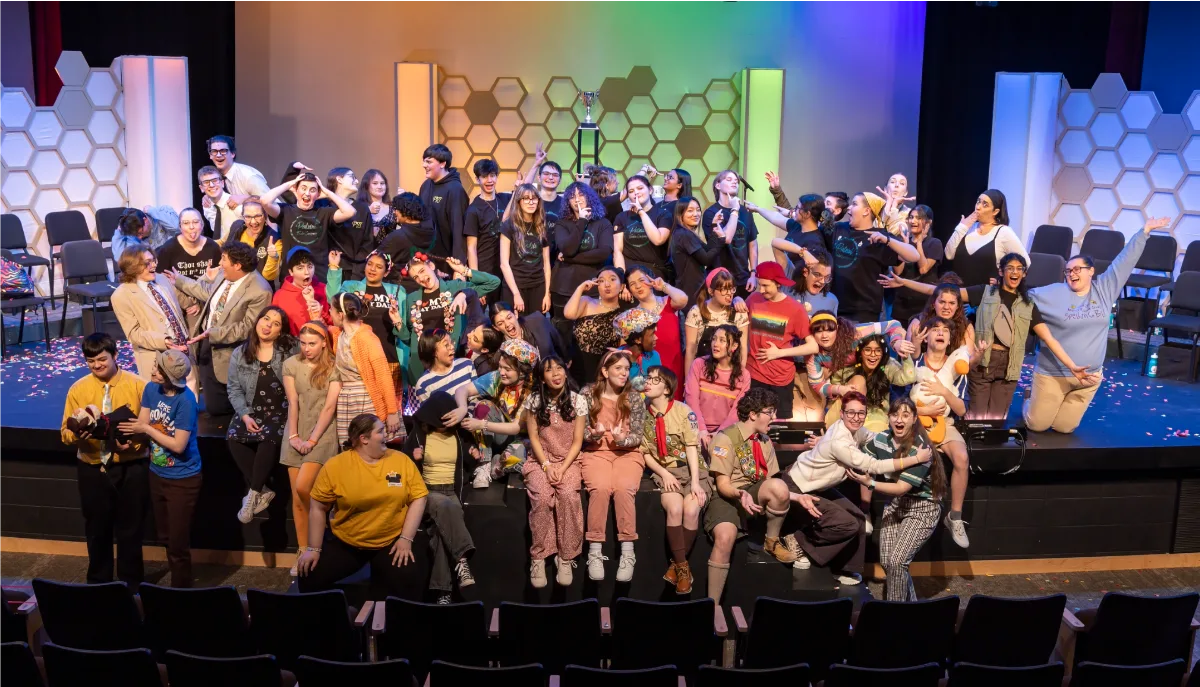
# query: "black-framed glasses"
252,217
654,380
211,183
860,414
1072,271
218,151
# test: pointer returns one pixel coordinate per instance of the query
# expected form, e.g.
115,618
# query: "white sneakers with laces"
625,566
565,574
802,561
595,566
958,530
537,573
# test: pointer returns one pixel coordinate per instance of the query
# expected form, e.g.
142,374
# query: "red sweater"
291,298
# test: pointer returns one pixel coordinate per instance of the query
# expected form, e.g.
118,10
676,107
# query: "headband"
821,317
316,327
387,260
520,349
614,351
709,279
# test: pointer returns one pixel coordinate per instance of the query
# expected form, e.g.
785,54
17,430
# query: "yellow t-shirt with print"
369,501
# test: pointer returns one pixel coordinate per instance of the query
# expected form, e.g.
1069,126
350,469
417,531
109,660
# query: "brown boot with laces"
683,585
672,574
779,550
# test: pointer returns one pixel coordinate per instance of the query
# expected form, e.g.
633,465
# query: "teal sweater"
482,282
335,285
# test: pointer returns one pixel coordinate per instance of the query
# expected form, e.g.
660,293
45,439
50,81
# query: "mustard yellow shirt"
126,390
369,501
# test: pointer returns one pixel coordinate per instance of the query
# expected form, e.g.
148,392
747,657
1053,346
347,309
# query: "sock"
774,522
717,574
626,547
956,515
675,543
689,538
594,547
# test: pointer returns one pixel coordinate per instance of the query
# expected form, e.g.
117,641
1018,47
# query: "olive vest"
985,318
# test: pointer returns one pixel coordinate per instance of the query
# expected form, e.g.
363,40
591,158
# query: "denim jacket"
243,376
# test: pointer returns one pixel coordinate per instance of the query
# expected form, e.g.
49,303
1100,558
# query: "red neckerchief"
660,431
760,461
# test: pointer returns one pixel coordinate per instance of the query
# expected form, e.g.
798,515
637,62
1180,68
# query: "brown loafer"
672,574
779,550
683,585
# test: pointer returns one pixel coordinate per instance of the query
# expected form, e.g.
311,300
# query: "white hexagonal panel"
1133,188
1128,222
1135,150
1162,205
47,167
75,147
47,201
78,185
105,165
1077,109
45,128
1189,194
1072,216
16,149
1107,130
18,189
1075,147
1191,154
1166,171
1101,205
15,108
73,108
1104,167
108,196
1191,112
1187,230
101,88
1139,110
72,68
119,108
103,127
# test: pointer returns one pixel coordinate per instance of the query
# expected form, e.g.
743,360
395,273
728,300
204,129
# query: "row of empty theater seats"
102,635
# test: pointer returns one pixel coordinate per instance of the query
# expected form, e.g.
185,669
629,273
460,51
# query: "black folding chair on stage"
1052,239
64,227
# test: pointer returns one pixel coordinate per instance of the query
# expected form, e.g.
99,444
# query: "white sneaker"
483,476
958,530
595,566
868,526
537,573
802,562
264,500
565,574
625,566
848,578
249,503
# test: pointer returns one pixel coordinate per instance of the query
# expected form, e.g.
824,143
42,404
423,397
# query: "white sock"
626,547
593,547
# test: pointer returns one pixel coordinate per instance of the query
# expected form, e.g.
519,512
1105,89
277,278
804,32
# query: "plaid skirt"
352,402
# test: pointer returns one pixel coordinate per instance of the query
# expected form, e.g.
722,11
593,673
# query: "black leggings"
256,460
339,560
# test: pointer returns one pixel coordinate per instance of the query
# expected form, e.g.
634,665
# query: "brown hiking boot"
672,574
779,550
683,584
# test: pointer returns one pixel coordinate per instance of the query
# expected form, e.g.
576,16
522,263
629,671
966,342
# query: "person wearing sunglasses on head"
241,180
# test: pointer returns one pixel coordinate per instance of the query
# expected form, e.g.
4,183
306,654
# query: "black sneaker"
465,578
444,600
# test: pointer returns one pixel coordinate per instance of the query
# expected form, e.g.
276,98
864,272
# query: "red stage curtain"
45,27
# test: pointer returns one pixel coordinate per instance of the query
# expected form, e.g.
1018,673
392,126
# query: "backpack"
14,281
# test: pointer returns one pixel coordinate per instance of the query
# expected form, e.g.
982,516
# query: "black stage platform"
1127,482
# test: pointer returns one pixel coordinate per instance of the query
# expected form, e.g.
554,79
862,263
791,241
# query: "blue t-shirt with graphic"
169,414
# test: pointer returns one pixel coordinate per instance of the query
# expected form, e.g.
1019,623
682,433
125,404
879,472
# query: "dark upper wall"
1171,67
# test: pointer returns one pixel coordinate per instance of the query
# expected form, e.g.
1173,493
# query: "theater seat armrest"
1068,632
426,681
555,680
494,626
739,620
720,628
30,605
379,618
682,681
605,620
1071,622
365,612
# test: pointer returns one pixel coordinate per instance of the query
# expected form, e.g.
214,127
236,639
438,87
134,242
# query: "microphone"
743,182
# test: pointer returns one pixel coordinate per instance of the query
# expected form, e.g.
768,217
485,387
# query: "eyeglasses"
218,152
654,380
769,411
211,183
724,289
551,174
860,414
1072,271
1014,270
818,279
252,217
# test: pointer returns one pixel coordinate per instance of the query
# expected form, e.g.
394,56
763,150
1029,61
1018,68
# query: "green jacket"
899,373
985,319
335,285
482,282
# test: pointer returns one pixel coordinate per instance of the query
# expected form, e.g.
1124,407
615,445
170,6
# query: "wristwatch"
871,485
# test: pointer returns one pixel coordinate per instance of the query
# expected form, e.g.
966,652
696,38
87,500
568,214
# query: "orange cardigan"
372,367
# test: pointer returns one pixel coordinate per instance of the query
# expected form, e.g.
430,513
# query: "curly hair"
710,363
596,391
562,401
841,353
879,388
537,225
756,400
409,206
960,317
593,202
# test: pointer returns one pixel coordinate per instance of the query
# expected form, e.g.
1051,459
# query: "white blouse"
1002,237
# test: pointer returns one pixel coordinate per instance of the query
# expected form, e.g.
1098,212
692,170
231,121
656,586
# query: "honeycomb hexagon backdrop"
69,156
1120,159
506,121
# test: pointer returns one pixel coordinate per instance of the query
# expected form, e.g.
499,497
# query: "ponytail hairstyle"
917,438
492,339
735,359
323,366
623,408
599,179
562,402
361,426
718,279
349,305
812,205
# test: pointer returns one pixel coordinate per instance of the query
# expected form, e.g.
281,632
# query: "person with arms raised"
305,223
241,180
355,237
731,222
438,303
593,317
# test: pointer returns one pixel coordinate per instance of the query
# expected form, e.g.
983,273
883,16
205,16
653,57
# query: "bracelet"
314,549
485,425
407,539
294,436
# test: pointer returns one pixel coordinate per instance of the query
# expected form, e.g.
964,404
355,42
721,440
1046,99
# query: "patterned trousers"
907,524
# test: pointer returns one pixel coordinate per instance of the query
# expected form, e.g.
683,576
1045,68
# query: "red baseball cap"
772,271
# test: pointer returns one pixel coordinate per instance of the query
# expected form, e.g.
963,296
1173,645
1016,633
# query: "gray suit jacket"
230,327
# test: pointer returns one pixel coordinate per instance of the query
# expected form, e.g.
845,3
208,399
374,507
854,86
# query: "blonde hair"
323,365
131,262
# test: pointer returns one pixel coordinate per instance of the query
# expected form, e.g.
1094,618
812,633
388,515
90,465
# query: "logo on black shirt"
635,235
529,249
305,230
845,252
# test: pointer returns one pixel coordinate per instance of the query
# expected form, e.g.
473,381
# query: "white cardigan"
1003,238
825,464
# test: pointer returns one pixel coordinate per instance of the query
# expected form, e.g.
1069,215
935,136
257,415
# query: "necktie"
660,431
216,229
106,408
223,298
176,327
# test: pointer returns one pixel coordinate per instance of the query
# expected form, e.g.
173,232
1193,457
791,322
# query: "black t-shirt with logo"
432,310
378,301
308,228
524,254
483,222
554,210
857,264
736,256
805,239
638,248
909,303
355,237
172,256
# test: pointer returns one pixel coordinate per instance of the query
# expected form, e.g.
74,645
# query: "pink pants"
616,476
555,513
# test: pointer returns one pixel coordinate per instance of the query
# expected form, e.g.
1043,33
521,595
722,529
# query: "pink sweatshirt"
714,403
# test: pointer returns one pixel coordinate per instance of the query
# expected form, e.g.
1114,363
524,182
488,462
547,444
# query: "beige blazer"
145,325
230,327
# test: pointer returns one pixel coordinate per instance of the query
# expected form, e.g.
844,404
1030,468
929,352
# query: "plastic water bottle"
1112,320
1153,364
